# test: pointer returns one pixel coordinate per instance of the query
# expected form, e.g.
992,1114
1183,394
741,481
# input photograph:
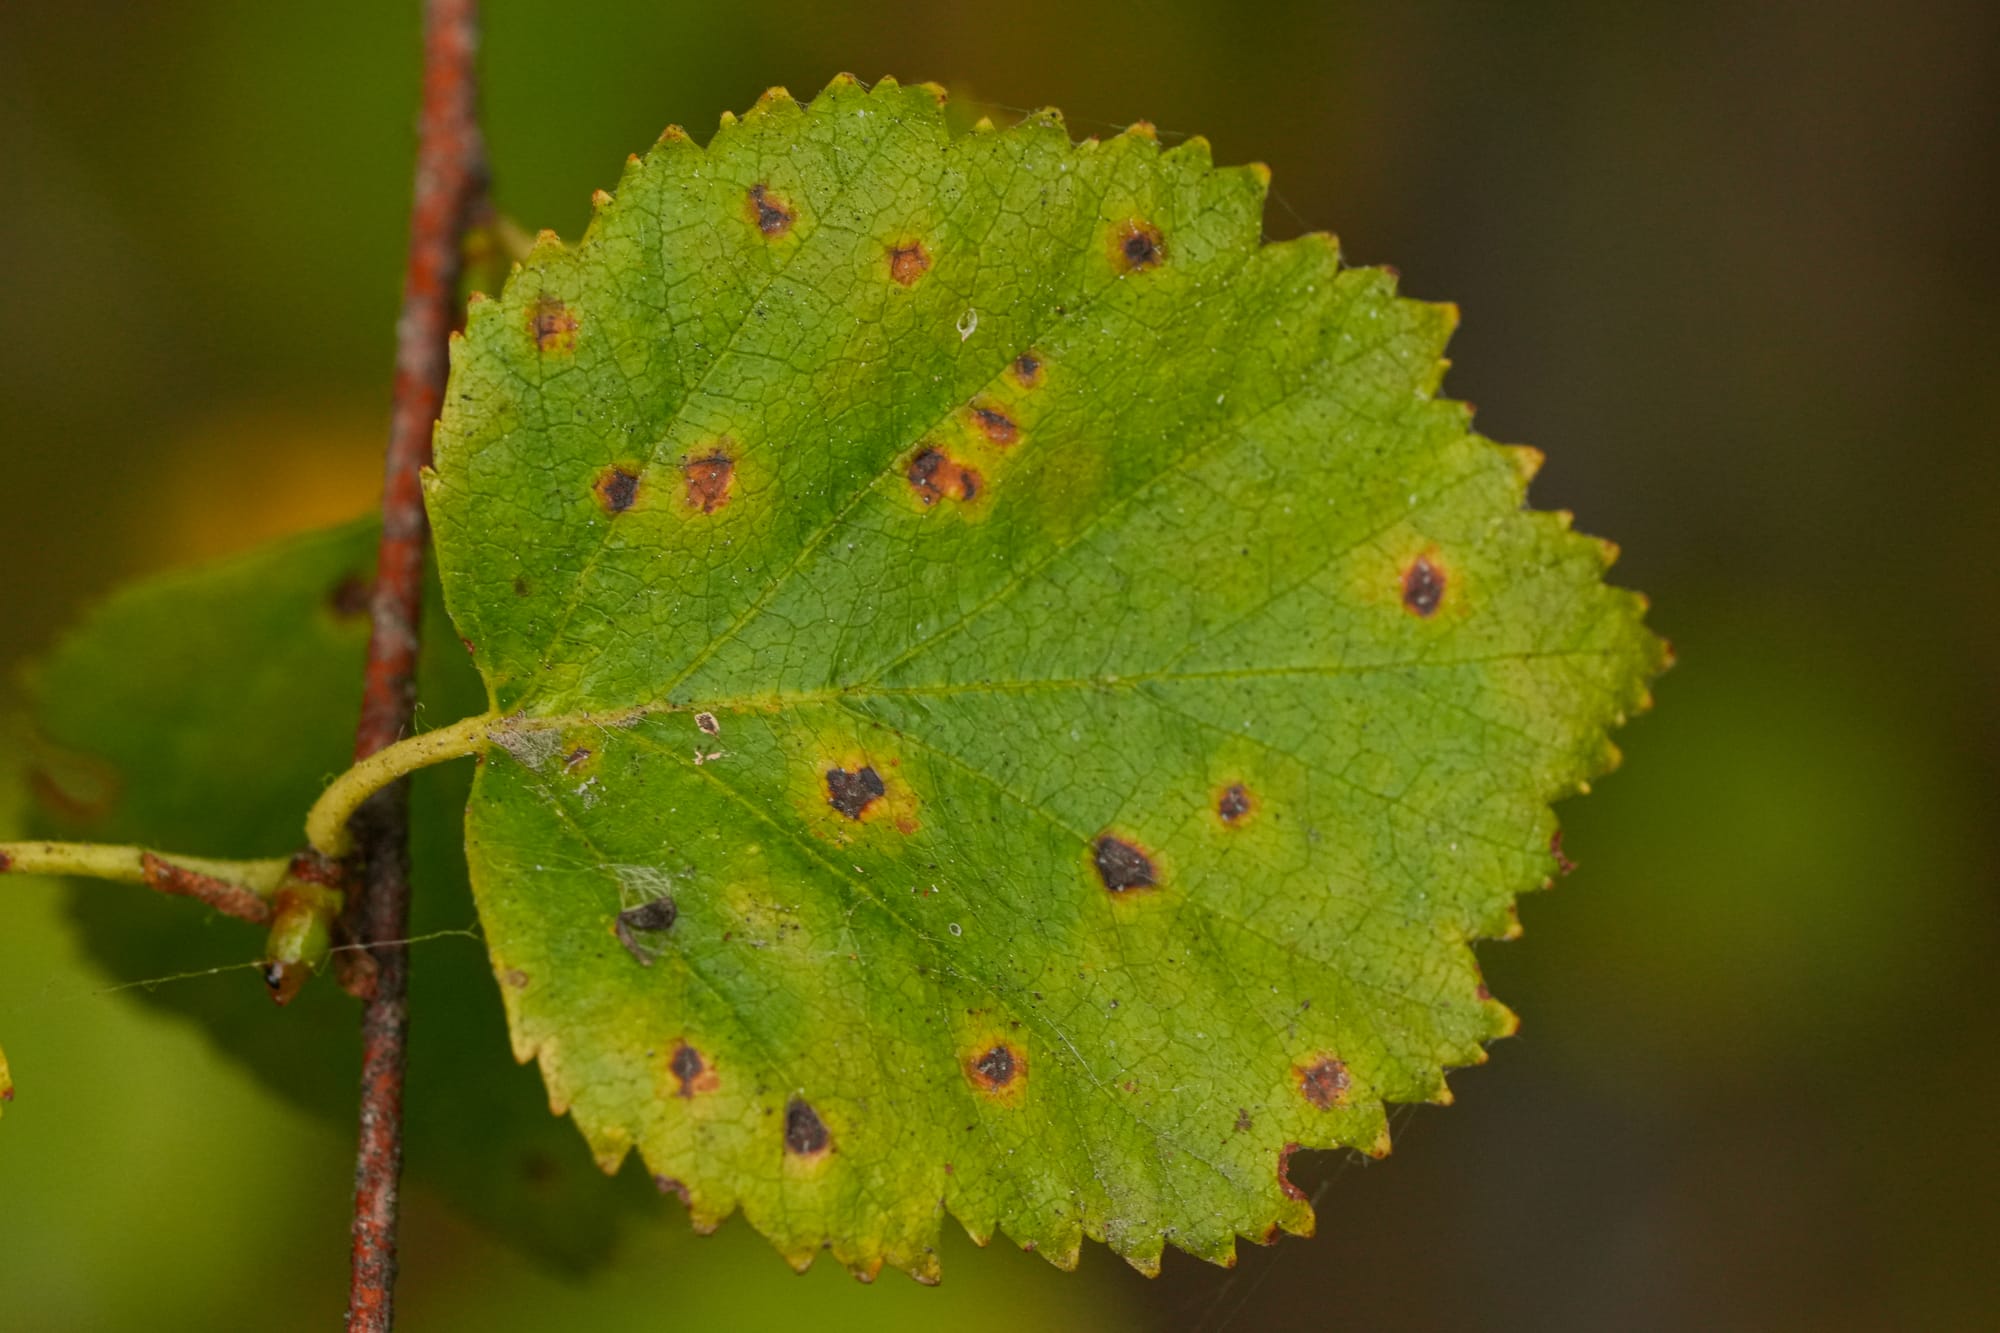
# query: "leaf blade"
1120,671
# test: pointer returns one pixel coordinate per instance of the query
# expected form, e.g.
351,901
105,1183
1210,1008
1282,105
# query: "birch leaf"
1013,697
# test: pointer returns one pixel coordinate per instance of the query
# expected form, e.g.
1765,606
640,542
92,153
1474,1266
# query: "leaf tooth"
775,103
1526,458
1195,154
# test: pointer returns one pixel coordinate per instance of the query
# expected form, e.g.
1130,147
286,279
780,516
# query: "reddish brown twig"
450,175
164,876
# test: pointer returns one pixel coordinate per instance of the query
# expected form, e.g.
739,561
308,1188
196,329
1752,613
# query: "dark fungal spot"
708,724
1138,245
553,324
1121,865
575,759
996,1068
653,917
6,863
995,424
771,214
1234,803
908,262
1285,1172
1028,370
1325,1083
1563,864
708,480
668,1185
348,599
1423,586
520,586
805,1132
852,792
933,477
517,978
690,1070
617,489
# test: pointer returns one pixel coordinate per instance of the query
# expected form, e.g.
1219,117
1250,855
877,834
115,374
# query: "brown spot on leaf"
668,1185
1423,586
996,1068
694,1074
1242,1119
1234,805
349,598
933,476
1564,865
708,724
520,586
708,480
553,324
617,490
996,425
852,792
908,262
772,215
1121,865
653,917
575,759
805,1132
6,863
1325,1083
1028,370
1137,245
517,978
1285,1172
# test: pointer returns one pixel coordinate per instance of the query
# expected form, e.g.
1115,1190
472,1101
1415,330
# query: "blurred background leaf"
1729,265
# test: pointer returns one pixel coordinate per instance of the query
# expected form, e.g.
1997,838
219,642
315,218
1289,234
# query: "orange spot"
708,480
995,424
1137,245
773,216
553,324
694,1074
1325,1083
805,1133
617,488
933,476
1121,865
908,262
1423,587
998,1067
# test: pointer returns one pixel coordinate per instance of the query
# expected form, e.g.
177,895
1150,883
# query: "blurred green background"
1731,266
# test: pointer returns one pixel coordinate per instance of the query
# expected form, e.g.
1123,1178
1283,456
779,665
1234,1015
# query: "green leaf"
1077,687
203,711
